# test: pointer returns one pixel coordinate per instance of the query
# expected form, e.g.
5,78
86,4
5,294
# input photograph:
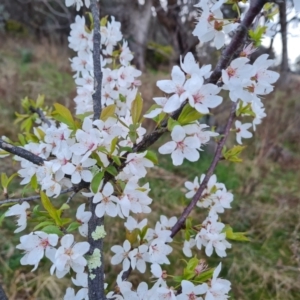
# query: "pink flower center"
44,243
69,252
180,145
231,72
198,98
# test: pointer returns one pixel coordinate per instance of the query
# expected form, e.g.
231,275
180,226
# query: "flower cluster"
216,198
119,86
217,288
211,24
83,150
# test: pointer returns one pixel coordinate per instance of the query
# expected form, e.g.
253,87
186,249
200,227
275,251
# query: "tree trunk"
283,24
182,40
139,22
135,19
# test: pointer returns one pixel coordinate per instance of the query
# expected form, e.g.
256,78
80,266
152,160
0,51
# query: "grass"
265,187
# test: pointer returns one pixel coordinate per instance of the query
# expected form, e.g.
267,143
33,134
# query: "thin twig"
32,198
40,114
35,159
71,197
180,222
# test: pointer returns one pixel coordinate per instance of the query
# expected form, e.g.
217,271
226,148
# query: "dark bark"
96,274
284,67
140,17
21,152
181,37
97,106
135,19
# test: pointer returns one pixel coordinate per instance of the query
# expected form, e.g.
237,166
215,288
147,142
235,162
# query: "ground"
265,185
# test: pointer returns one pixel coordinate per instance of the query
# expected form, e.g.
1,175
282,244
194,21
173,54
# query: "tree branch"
209,173
96,275
32,198
225,59
40,114
97,106
237,40
21,152
75,189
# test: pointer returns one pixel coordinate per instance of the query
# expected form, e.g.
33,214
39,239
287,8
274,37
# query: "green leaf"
108,111
43,224
73,226
152,156
131,236
50,208
113,144
96,181
34,182
11,178
4,153
205,276
187,235
22,139
2,218
136,108
233,153
143,232
122,98
112,170
40,101
52,229
116,160
245,110
235,236
257,34
103,21
39,133
126,149
26,124
190,268
64,115
39,213
189,115
160,117
4,180
65,206
133,132
65,221
188,223
172,123
178,278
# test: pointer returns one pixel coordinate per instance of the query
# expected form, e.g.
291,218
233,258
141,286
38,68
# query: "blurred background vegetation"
34,60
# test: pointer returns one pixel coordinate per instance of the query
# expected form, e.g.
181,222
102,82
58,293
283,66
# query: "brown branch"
96,275
35,159
75,189
97,106
237,40
179,224
40,114
32,198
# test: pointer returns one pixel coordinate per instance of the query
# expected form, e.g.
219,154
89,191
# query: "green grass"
266,192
